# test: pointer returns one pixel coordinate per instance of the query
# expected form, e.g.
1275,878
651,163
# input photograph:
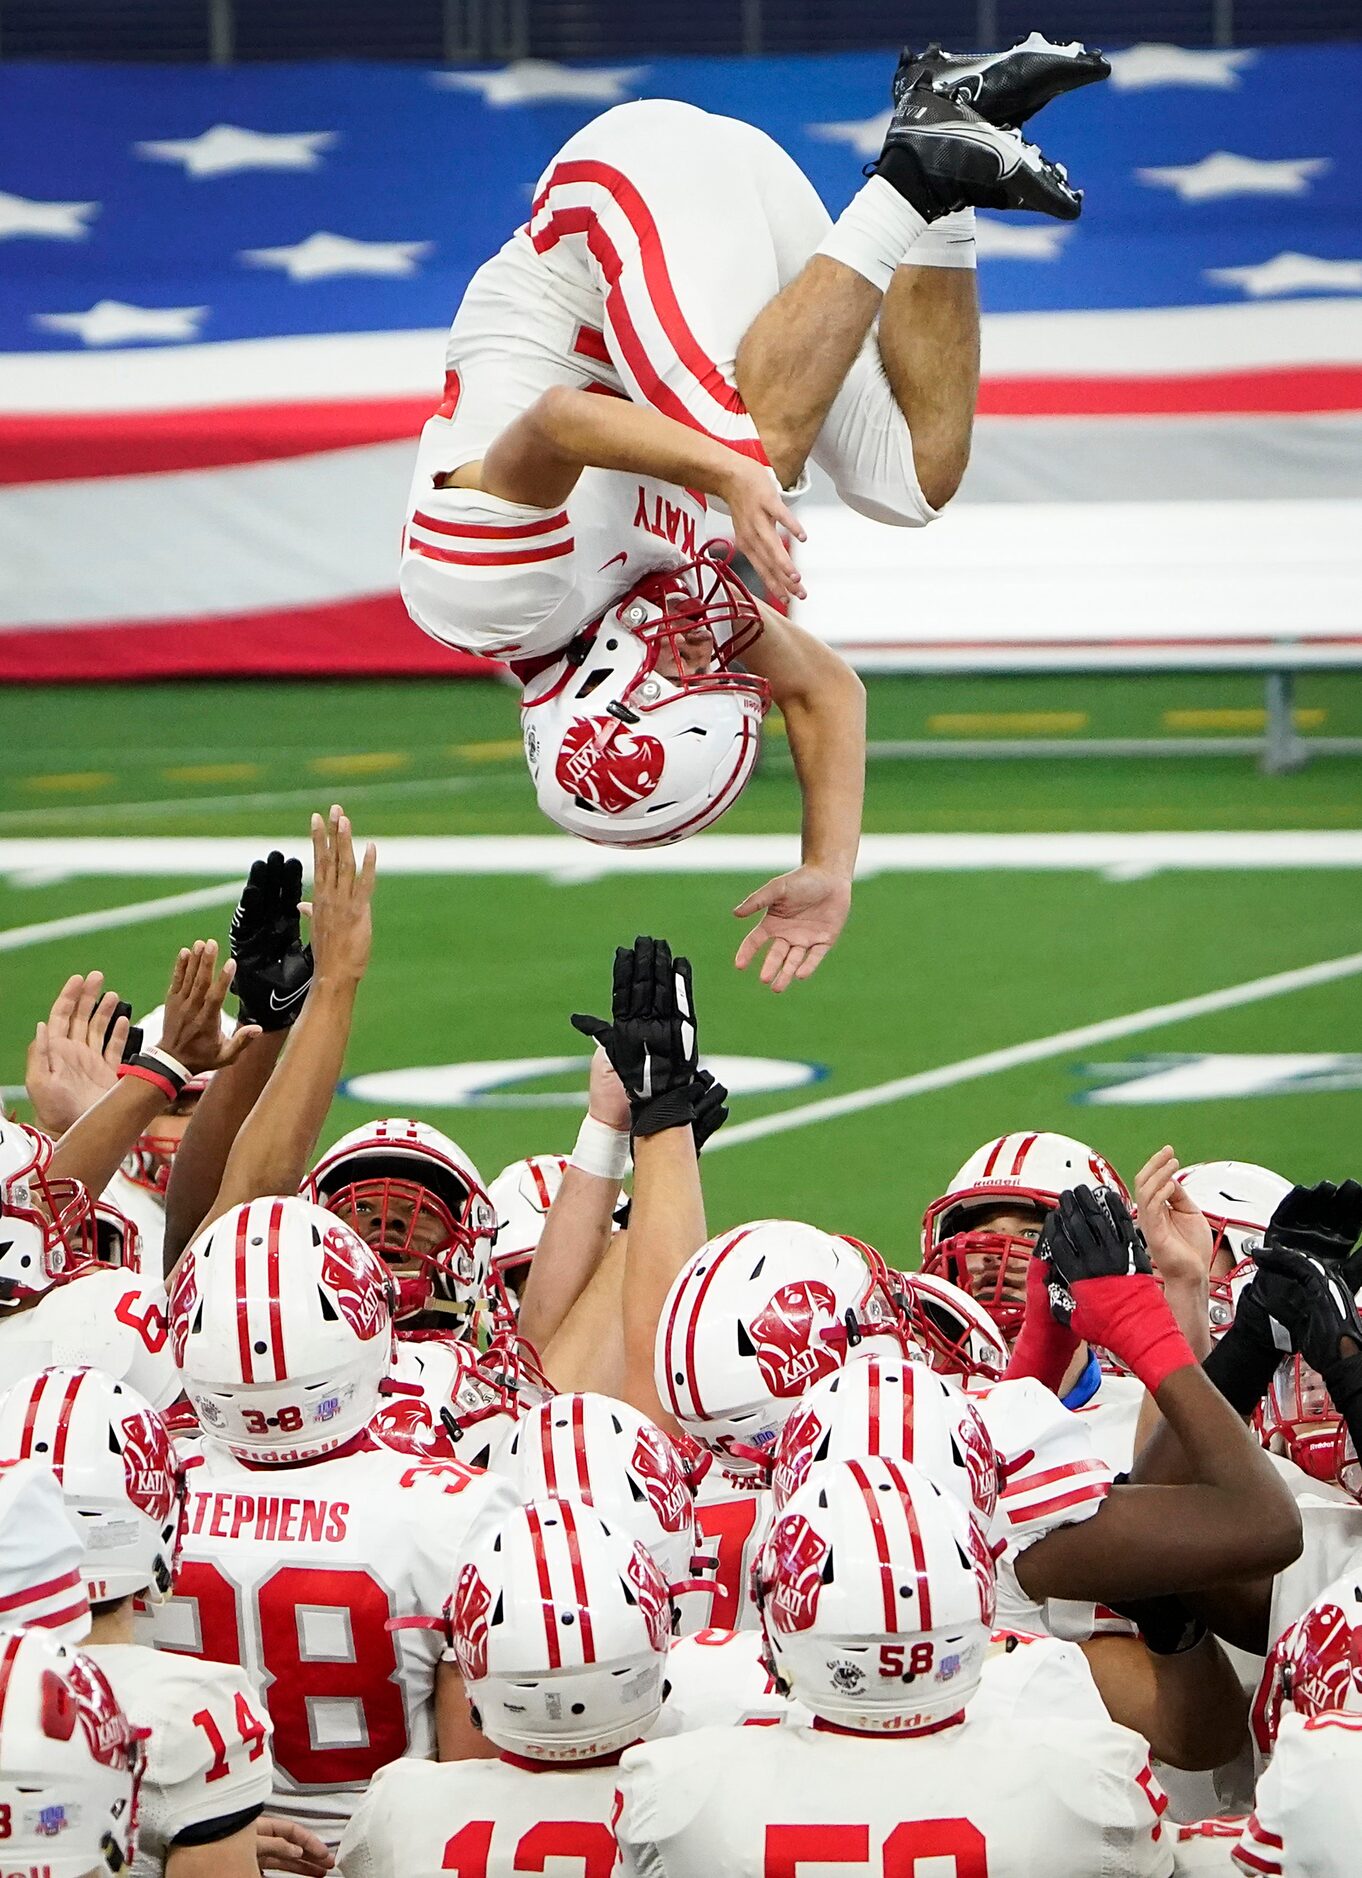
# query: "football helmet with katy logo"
281,1319
1237,1198
47,1226
417,1199
644,731
754,1318
1315,1668
877,1593
1018,1174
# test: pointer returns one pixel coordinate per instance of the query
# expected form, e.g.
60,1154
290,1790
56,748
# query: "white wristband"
164,1056
601,1150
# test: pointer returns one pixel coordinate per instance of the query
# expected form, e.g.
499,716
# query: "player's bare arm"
823,703
539,456
1188,1704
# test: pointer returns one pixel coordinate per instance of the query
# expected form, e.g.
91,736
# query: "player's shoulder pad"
666,1783
187,1701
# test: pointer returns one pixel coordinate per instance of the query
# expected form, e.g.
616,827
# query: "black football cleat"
940,155
1004,87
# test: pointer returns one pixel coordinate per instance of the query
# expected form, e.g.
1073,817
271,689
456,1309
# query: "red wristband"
1045,1347
1131,1317
144,1074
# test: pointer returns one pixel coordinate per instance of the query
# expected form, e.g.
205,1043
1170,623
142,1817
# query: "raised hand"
802,915
650,1038
711,1106
342,898
1313,1304
74,1057
1323,1221
1089,1235
1176,1231
273,966
192,1030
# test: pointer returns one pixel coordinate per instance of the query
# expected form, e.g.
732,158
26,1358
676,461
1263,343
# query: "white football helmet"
111,1320
593,1448
897,1411
70,1762
47,1227
876,1592
1315,1667
1026,1169
627,743
560,1624
112,1455
752,1319
418,1200
521,1196
1238,1199
41,1555
952,1330
281,1320
446,1399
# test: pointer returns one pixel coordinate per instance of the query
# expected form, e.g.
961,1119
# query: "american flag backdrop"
223,297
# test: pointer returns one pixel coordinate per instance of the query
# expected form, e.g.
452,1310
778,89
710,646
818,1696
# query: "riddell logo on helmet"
659,1465
148,1466
347,1268
607,765
783,1333
799,1555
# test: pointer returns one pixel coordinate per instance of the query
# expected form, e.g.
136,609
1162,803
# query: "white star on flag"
540,81
115,323
1292,273
1143,67
1224,174
65,221
1016,241
865,134
227,148
322,256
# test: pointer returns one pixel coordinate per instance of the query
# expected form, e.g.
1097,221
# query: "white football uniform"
1002,1799
731,1517
1331,1533
1204,1848
294,1572
492,1819
1111,1417
1309,1802
717,1679
625,281
208,1769
112,1320
147,1212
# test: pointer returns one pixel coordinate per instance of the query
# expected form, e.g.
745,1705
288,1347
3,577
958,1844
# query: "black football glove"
711,1110
273,966
1312,1303
1324,1222
1244,1360
651,1039
1089,1234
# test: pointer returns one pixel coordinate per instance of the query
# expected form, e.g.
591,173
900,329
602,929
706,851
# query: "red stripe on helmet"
924,1590
31,1416
579,1446
545,1197
243,1329
881,1538
873,1431
689,1366
992,1160
63,1430
7,1665
272,1280
1028,1142
579,1582
546,1450
546,1605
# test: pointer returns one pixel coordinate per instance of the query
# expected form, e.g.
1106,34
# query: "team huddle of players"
356,1514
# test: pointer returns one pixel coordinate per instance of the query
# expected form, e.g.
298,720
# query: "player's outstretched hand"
1312,1303
757,507
1323,1222
1089,1235
280,1845
273,966
192,1030
802,915
651,1037
1176,1230
342,898
74,1057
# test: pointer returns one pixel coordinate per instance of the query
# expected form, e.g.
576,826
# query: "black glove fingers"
292,886
594,1027
622,984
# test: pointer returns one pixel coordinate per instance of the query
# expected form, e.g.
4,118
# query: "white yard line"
1038,1050
561,858
106,918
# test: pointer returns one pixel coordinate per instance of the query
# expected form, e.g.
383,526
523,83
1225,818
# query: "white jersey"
1069,1799
294,1572
492,1819
731,1520
1331,1534
1111,1417
208,1768
147,1212
110,1319
717,1679
1308,1806
1204,1848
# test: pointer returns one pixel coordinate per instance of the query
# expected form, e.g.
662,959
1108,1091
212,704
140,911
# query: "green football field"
1020,984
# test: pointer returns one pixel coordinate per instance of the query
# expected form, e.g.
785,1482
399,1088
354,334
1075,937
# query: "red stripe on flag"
1263,391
